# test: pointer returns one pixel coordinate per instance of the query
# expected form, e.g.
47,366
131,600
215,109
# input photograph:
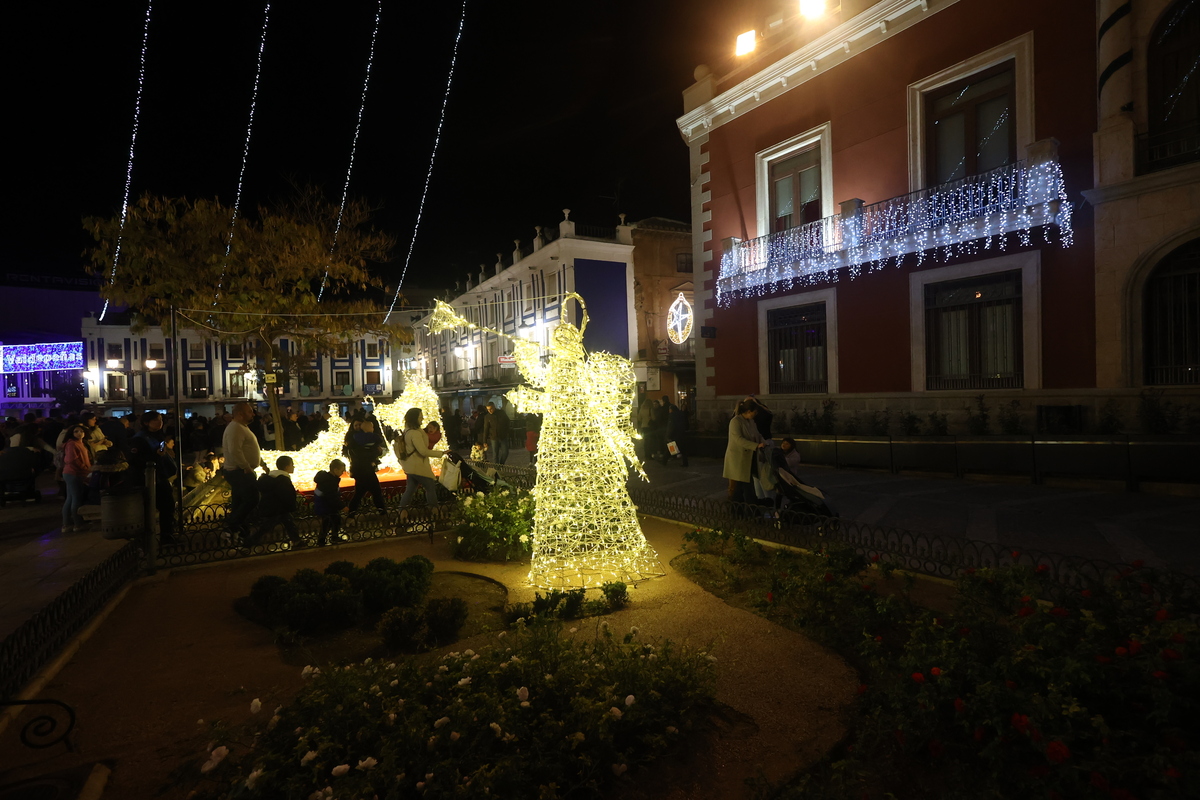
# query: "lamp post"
115,365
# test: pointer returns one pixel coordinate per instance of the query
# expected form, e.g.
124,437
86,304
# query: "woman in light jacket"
412,448
740,453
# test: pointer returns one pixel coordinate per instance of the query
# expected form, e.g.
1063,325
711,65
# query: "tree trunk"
272,394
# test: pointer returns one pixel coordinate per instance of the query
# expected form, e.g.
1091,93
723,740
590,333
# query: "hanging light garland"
137,117
959,219
237,200
362,105
586,530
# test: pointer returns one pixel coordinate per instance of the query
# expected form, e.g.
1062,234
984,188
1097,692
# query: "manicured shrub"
444,618
345,569
301,611
616,594
264,589
402,628
494,527
572,604
342,609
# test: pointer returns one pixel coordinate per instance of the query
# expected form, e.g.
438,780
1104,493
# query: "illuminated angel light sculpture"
586,530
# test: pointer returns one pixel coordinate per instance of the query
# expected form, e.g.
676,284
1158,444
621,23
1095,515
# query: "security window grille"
196,351
158,385
795,190
372,350
683,262
1172,319
797,350
973,333
198,385
971,125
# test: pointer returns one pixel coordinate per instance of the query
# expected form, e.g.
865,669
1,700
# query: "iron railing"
31,646
1165,149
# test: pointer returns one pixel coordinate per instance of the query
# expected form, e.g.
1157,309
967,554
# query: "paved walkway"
37,561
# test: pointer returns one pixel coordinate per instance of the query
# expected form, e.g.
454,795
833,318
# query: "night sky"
554,105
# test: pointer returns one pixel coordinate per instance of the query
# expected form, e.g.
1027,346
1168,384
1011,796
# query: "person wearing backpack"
277,503
412,448
76,463
328,502
366,448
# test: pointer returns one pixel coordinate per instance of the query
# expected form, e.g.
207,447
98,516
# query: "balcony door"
971,125
796,190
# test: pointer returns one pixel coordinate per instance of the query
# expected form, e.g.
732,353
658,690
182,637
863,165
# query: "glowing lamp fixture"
151,363
745,43
812,9
459,352
113,363
92,375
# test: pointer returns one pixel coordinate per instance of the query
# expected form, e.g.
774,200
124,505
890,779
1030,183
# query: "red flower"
964,631
1042,568
1171,655
935,748
862,688
935,671
1104,659
1121,651
1137,564
1173,773
1135,647
979,734
1010,684
829,577
1020,722
1060,612
1025,611
1086,593
1147,588
1162,676
770,597
875,558
1099,781
970,570
1057,752
1016,553
879,638
1162,615
1178,638
959,705
866,587
918,677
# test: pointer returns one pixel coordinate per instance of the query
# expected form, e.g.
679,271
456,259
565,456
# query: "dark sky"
554,104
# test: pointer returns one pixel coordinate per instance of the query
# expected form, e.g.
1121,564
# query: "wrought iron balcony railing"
953,216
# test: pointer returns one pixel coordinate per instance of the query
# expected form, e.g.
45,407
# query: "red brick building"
895,207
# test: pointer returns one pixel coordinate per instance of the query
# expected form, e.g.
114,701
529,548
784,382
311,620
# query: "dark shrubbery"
401,628
444,618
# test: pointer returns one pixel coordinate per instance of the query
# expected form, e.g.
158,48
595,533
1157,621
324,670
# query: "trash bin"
122,515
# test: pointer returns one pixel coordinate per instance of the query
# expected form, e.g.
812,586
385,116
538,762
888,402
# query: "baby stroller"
471,476
802,498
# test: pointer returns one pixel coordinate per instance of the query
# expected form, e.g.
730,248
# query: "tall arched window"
1172,319
1173,89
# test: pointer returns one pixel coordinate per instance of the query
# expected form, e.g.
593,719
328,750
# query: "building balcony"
1165,149
1014,198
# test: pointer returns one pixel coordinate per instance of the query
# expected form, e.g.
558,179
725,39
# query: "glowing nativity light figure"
586,530
418,393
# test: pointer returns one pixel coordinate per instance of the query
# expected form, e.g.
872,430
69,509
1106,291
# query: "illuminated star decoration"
362,106
137,116
437,138
679,320
959,219
585,530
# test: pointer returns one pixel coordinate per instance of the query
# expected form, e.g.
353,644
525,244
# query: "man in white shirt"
242,458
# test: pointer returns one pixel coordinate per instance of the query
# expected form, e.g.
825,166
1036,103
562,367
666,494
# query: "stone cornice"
1144,184
878,23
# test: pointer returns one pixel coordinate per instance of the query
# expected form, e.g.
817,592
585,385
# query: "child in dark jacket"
328,501
277,502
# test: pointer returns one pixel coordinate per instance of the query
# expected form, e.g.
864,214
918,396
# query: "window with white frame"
114,351
341,378
372,349
198,384
374,377
799,349
156,351
196,351
235,351
237,384
158,385
794,181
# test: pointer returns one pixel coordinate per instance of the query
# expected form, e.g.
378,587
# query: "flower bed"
494,527
536,714
1020,688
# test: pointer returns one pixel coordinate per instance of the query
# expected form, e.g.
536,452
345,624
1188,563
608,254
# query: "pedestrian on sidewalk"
412,448
740,453
328,502
677,430
495,433
277,502
242,457
366,448
76,464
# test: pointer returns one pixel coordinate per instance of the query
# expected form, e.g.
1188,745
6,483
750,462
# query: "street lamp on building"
116,365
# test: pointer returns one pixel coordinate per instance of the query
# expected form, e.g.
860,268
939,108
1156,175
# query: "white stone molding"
819,137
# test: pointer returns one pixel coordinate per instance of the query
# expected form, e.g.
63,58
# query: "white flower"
304,673
672,729
460,540
524,704
255,706
366,662
616,712
479,494
464,682
274,721
711,657
252,778
629,701
366,764
215,758
523,538
443,668
454,736
489,516
522,693
394,683
652,656
502,634
420,786
468,652
574,629
307,757
619,769
340,770
467,500
391,718
578,736
634,630
441,722
495,729
199,722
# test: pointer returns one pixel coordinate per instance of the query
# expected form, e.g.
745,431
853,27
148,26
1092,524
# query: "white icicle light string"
137,116
237,200
973,215
586,530
362,106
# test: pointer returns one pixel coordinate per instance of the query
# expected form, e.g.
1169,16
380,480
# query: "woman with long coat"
741,451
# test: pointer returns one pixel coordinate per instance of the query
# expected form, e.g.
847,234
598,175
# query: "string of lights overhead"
137,116
432,157
237,200
362,105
